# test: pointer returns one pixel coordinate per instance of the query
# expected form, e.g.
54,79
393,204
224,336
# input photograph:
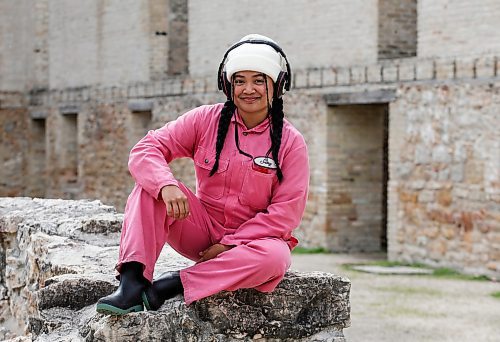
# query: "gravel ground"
412,307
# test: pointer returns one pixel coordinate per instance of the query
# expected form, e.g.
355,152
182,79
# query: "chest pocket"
257,189
212,186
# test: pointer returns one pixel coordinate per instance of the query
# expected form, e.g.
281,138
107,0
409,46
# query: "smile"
250,99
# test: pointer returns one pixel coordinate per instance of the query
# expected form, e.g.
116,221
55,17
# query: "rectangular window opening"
69,148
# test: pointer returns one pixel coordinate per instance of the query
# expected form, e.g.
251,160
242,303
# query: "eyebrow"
253,76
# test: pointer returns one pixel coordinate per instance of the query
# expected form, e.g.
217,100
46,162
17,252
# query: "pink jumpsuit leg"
260,264
146,228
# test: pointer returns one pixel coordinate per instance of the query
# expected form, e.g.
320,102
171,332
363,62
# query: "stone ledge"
302,306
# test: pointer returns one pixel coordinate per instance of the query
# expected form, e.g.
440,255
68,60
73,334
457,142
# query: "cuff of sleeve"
230,240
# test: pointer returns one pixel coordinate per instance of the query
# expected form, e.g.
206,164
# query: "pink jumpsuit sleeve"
149,158
287,204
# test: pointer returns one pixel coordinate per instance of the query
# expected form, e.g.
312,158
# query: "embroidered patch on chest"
264,164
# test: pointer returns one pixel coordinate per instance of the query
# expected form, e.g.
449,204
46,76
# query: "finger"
182,208
185,205
175,207
170,210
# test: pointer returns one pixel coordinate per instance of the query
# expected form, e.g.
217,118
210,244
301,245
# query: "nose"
248,88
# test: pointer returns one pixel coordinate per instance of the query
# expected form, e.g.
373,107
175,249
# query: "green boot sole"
107,309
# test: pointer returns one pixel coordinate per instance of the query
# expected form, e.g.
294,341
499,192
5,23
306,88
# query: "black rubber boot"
168,285
127,298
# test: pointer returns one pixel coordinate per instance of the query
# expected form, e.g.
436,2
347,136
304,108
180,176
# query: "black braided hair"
276,131
224,121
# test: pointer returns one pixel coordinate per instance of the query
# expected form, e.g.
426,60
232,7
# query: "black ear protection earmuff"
282,83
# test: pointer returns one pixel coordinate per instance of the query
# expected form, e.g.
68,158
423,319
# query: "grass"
496,294
304,250
449,273
441,272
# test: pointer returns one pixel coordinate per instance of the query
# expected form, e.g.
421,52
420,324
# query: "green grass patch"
496,294
444,272
383,263
304,250
441,272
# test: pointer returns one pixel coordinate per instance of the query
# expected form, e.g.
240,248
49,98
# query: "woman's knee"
272,254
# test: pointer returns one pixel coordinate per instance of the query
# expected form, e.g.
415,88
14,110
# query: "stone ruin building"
399,102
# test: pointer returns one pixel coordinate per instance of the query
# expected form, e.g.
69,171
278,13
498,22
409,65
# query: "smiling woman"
252,172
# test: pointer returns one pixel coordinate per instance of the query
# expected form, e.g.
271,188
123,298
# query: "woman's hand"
212,251
176,202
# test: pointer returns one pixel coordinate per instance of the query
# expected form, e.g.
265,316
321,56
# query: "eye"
239,82
259,81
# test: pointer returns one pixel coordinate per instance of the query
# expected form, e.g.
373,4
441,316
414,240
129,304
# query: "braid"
276,130
224,121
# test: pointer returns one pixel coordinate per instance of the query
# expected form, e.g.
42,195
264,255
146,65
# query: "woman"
252,176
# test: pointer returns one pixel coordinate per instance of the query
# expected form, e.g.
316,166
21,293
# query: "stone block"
425,69
464,68
374,73
407,70
390,72
444,69
299,79
140,105
64,263
343,76
358,74
329,77
314,78
485,67
303,307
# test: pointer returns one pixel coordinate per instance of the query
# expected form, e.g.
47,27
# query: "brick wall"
444,192
397,28
16,44
459,27
87,39
323,33
308,113
13,151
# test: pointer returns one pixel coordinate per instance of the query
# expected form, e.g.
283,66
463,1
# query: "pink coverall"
237,206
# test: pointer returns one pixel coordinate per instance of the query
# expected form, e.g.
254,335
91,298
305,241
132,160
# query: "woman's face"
250,96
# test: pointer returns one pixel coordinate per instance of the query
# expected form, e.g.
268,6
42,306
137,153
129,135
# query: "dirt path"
412,308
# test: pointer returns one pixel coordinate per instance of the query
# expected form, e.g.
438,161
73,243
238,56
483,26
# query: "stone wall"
458,27
445,181
317,35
